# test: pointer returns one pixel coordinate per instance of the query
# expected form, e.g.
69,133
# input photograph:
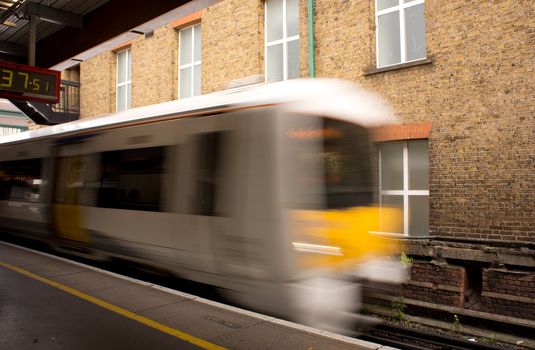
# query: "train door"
71,193
215,186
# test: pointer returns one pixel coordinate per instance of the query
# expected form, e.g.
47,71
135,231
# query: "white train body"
214,188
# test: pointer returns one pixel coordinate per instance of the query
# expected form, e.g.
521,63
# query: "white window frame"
128,73
284,41
405,192
10,130
401,8
193,62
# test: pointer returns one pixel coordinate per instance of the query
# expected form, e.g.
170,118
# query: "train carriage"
265,192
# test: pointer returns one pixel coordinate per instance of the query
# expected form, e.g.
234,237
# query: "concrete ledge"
479,253
371,71
435,286
508,297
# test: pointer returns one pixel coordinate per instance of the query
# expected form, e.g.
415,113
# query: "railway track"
410,339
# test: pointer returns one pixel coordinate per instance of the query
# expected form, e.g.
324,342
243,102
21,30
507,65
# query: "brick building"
460,75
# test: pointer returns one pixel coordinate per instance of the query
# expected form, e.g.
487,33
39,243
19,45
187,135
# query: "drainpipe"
311,38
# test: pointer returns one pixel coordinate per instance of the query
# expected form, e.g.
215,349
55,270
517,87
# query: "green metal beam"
4,113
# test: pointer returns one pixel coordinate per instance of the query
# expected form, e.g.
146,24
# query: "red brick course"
510,293
436,283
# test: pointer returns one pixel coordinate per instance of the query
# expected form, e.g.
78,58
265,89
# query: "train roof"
334,98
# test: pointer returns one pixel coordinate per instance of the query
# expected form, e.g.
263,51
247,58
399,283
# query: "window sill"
371,71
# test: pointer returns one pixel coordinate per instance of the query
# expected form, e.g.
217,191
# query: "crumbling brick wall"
510,293
439,283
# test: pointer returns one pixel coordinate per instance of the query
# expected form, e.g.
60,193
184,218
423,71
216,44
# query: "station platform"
47,302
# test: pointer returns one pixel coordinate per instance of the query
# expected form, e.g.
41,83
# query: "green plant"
406,260
398,308
487,340
456,324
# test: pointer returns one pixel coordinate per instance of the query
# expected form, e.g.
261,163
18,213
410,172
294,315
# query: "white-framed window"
282,40
9,130
400,34
189,65
124,80
404,183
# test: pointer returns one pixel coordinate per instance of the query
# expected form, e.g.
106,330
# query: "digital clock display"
29,83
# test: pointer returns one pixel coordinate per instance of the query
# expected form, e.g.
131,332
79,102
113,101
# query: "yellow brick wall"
154,67
97,85
232,42
477,92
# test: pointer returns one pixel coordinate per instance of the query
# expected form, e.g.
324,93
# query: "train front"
334,221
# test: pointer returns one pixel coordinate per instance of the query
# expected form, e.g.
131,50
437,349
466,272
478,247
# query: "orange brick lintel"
401,132
187,21
122,47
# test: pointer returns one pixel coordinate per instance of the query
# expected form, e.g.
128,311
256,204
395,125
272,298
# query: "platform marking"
119,310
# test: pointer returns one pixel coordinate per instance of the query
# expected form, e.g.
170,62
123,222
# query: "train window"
131,179
21,180
210,148
347,165
330,162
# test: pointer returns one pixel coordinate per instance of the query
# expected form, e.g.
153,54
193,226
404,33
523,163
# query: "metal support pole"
32,40
311,38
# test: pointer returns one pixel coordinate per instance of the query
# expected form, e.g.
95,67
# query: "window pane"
274,63
121,67
209,172
197,80
392,166
406,1
384,4
121,98
293,59
128,65
185,82
386,224
128,95
185,46
388,37
418,165
273,20
418,215
292,17
415,32
21,180
197,44
131,179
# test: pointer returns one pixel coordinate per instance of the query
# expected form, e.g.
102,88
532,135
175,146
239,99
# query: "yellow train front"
265,193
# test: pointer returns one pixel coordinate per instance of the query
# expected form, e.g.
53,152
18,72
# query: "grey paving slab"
20,257
273,336
89,281
135,297
53,268
201,320
34,315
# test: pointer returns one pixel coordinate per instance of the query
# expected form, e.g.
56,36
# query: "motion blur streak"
347,234
264,192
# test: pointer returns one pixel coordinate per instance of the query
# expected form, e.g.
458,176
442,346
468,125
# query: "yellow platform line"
129,314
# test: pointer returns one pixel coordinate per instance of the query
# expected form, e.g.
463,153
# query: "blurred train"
264,192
